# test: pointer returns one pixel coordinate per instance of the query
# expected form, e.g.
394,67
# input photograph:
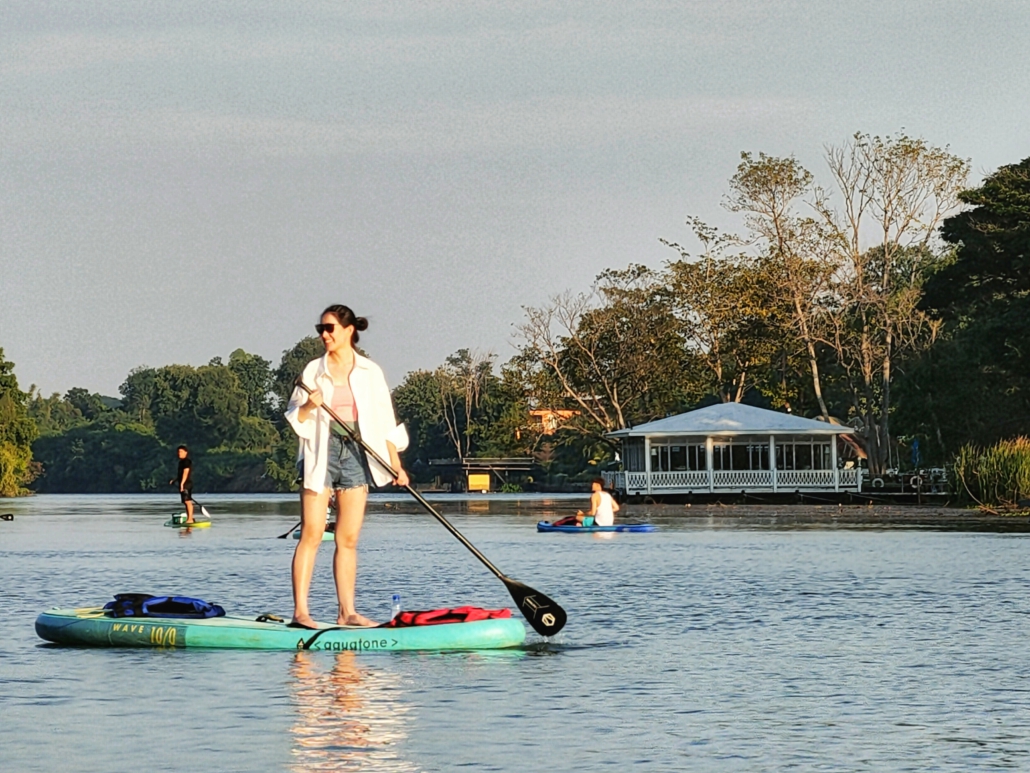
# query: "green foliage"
201,407
255,377
997,475
17,431
91,443
419,405
16,469
54,414
233,472
973,385
90,406
614,356
462,409
103,458
281,463
290,366
993,238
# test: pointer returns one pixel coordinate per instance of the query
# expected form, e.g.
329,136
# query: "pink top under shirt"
343,402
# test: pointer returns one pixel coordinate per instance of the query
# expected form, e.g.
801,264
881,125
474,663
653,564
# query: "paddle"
542,612
288,533
332,507
202,509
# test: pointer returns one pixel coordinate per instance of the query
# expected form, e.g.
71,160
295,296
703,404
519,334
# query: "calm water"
701,647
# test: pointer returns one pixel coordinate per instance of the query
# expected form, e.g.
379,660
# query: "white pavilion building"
732,448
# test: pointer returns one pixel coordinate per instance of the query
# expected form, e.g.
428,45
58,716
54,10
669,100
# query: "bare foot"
355,619
304,621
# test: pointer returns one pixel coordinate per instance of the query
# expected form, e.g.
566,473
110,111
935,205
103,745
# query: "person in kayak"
184,480
603,507
355,389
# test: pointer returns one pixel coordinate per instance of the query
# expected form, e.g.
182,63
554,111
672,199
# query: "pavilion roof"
732,419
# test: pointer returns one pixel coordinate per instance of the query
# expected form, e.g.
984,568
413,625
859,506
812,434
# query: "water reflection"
350,717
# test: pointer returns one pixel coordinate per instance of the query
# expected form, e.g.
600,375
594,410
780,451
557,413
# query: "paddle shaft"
418,497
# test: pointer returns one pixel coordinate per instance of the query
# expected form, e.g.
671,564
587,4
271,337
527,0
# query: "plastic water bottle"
395,605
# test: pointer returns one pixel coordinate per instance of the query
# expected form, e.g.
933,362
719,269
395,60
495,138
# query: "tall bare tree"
792,247
462,382
894,192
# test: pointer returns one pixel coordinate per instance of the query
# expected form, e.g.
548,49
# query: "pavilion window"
677,457
634,450
803,455
697,456
740,456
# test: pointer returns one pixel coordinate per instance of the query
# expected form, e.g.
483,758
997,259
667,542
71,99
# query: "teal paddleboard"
91,627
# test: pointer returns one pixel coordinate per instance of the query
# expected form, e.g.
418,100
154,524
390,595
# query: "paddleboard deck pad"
92,627
630,527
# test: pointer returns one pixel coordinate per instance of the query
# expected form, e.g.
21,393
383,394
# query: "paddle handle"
418,497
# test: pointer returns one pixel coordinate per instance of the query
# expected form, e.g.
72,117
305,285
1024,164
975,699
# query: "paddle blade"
205,512
543,613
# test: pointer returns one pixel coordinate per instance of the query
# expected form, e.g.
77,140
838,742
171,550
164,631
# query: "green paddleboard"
198,524
90,626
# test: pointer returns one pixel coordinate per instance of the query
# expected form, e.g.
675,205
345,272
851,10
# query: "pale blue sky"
179,179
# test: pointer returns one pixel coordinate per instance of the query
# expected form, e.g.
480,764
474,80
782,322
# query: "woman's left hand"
402,478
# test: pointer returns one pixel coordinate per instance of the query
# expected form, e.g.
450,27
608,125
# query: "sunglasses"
328,327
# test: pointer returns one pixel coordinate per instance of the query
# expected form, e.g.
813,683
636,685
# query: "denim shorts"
347,466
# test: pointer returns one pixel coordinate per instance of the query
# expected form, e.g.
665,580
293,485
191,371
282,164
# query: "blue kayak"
631,527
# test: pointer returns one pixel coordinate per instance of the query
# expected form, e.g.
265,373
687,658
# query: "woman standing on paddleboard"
355,389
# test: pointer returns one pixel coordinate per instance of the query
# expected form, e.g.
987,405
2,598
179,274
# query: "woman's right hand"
312,405
314,399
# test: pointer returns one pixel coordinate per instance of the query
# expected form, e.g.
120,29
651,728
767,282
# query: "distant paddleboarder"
355,389
184,480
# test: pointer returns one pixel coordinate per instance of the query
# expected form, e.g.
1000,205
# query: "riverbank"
792,516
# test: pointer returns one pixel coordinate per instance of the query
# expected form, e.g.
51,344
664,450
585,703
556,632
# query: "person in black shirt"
184,479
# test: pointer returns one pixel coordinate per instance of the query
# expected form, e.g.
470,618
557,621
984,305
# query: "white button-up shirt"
377,421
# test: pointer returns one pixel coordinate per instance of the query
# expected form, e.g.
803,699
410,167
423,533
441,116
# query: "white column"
709,447
772,460
647,461
833,461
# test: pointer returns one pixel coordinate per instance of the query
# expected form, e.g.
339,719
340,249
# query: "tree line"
227,412
885,294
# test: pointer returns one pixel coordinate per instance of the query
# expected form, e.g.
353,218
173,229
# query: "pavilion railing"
742,479
791,479
697,480
679,479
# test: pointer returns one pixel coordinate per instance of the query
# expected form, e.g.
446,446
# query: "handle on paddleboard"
543,613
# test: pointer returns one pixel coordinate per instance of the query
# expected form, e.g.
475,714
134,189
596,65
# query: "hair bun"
360,323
